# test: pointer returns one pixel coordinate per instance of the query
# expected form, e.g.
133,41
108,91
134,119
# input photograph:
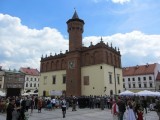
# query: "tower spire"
75,15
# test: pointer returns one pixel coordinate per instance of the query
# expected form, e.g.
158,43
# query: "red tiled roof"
158,77
30,71
139,70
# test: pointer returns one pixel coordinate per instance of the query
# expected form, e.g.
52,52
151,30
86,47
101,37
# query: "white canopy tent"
25,94
31,93
146,93
2,94
156,93
127,93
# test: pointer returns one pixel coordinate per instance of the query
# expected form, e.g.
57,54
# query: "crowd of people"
128,108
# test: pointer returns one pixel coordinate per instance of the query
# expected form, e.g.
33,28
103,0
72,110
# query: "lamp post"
115,80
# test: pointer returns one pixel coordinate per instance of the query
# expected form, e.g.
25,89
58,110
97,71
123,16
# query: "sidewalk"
80,114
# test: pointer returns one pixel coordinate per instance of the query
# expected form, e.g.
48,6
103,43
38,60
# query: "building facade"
158,82
143,77
13,82
93,70
1,79
32,77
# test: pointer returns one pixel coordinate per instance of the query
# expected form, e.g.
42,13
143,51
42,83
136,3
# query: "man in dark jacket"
10,109
122,108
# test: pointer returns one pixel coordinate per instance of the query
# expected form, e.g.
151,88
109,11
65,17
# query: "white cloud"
114,1
21,46
133,46
120,1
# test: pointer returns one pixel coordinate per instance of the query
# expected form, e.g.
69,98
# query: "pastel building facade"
140,77
2,73
32,77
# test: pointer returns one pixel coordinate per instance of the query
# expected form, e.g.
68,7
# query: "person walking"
158,108
122,108
39,105
63,106
32,105
115,110
74,102
10,109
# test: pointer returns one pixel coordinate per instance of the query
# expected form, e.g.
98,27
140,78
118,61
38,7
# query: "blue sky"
30,28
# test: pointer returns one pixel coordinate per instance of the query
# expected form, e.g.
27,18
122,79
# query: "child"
140,114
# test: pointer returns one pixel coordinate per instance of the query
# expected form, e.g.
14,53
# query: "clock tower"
73,71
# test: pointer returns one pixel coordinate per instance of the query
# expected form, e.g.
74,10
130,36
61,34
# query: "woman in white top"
130,113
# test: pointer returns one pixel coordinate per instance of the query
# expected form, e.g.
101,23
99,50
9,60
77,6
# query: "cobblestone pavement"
80,114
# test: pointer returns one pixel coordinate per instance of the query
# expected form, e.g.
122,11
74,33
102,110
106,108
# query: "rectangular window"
134,86
35,79
129,85
123,85
0,85
110,78
144,78
139,85
86,80
139,79
64,79
128,79
150,78
118,78
150,85
133,79
123,79
53,79
145,85
45,80
0,78
31,79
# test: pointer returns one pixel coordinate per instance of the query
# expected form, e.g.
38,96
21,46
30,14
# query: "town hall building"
93,70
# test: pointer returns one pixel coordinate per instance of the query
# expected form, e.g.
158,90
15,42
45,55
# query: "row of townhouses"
135,78
14,82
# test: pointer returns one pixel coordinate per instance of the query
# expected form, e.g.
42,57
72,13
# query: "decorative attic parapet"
101,44
56,56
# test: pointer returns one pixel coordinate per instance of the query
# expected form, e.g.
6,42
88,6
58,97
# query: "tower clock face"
71,64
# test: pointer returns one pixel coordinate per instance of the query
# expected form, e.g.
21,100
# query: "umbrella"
127,93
